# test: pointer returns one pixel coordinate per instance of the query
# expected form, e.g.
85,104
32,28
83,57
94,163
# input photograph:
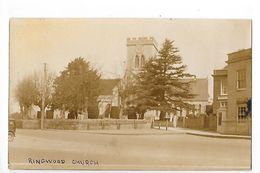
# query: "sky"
203,44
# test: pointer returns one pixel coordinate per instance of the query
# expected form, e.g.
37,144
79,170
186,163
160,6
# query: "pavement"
124,131
205,133
161,131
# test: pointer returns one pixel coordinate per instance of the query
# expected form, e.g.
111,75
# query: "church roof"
199,87
106,86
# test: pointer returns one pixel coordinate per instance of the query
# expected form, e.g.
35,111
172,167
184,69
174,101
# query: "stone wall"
90,124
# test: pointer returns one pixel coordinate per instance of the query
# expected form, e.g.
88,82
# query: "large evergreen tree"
77,87
162,84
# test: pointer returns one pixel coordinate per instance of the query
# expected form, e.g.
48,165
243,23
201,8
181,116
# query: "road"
143,149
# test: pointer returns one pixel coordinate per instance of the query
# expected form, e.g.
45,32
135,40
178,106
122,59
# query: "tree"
46,87
162,84
29,92
77,87
26,94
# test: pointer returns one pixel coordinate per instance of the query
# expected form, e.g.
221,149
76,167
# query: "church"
138,51
111,104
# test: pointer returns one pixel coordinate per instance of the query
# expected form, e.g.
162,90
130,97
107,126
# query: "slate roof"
106,86
199,87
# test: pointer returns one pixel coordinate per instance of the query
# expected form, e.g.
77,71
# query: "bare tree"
46,87
29,91
26,94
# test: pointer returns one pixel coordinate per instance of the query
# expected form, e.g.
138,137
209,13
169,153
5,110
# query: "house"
199,88
231,92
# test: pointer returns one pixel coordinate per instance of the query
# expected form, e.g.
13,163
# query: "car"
11,130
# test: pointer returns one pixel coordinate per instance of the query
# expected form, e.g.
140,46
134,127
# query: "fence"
192,122
162,124
90,124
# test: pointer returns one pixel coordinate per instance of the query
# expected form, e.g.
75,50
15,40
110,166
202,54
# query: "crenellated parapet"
133,41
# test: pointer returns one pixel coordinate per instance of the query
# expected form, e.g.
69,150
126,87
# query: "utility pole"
43,95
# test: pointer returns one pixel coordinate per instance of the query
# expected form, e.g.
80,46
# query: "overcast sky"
203,44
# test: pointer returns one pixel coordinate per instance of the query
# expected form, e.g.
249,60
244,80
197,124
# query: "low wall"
162,123
243,127
90,124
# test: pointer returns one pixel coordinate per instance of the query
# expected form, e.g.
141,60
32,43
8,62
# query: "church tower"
138,51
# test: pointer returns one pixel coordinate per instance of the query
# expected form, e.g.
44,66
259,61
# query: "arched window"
142,61
136,61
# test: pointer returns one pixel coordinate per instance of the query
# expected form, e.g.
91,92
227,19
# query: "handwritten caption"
62,162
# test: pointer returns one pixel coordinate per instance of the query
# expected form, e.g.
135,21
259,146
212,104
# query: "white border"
246,9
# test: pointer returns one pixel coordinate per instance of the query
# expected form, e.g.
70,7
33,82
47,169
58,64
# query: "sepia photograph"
130,94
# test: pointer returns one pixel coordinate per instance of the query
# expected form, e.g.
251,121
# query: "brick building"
231,91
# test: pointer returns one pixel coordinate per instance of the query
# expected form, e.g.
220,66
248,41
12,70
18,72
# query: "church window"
142,61
136,61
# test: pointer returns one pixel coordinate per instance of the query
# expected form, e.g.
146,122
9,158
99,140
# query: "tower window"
142,61
136,61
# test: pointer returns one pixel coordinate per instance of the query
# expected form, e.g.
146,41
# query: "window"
136,61
142,61
223,104
223,87
241,79
241,112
